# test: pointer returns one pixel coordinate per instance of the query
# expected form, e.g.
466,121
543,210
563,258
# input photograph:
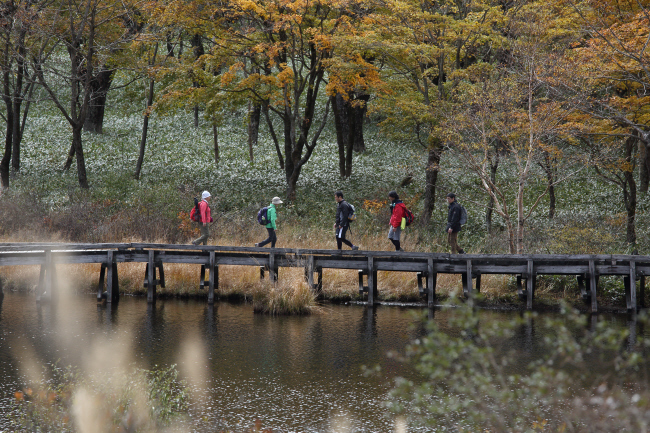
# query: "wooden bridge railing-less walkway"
586,268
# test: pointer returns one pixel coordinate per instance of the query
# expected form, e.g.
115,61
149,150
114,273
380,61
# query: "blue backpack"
262,216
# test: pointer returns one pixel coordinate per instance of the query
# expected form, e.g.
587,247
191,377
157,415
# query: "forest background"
533,112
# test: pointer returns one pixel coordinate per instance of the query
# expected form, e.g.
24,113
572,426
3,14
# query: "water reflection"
297,373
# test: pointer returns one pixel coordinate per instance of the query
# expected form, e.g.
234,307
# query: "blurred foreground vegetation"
582,376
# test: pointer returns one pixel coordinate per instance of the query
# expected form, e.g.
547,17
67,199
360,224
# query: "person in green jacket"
271,217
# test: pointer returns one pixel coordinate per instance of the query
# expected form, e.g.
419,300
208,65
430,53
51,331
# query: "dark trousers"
340,238
272,238
452,238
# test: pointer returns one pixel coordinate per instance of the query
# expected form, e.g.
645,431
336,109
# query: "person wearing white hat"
206,218
271,217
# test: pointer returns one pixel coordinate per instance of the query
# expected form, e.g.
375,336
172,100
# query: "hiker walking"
271,216
206,218
398,213
453,224
342,223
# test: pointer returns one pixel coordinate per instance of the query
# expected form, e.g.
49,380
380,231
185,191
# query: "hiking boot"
354,247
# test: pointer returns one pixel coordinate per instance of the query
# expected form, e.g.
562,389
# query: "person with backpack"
343,212
454,223
271,217
397,214
205,218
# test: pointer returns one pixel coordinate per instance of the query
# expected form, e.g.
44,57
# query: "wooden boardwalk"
586,268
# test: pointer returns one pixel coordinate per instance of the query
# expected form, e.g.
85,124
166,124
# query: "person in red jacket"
206,218
398,211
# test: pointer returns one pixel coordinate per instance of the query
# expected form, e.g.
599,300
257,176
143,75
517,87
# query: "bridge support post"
214,278
431,283
642,290
584,292
530,285
362,288
112,283
47,279
319,281
630,288
467,280
273,269
593,283
100,284
372,281
151,278
309,272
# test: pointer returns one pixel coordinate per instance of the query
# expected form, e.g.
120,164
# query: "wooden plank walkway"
586,268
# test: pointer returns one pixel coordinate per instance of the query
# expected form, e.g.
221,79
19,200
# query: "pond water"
293,373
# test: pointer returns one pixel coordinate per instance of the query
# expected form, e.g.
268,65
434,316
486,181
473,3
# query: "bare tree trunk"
547,166
512,237
70,158
629,192
493,177
17,136
274,136
6,158
431,176
254,113
145,129
342,129
215,135
349,120
145,123
81,163
630,207
644,167
350,143
359,113
99,87
198,50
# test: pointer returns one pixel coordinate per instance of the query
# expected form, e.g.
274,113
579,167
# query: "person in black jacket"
453,224
342,222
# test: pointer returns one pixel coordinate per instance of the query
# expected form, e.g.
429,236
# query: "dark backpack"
195,213
409,216
262,216
463,215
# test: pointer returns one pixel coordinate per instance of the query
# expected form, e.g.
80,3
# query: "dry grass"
289,296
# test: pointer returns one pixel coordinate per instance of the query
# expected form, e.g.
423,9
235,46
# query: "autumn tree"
609,76
516,112
615,72
87,31
273,54
421,44
353,78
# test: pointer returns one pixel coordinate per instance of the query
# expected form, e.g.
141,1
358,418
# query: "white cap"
205,195
276,200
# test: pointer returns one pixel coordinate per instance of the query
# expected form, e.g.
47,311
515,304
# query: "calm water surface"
293,373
